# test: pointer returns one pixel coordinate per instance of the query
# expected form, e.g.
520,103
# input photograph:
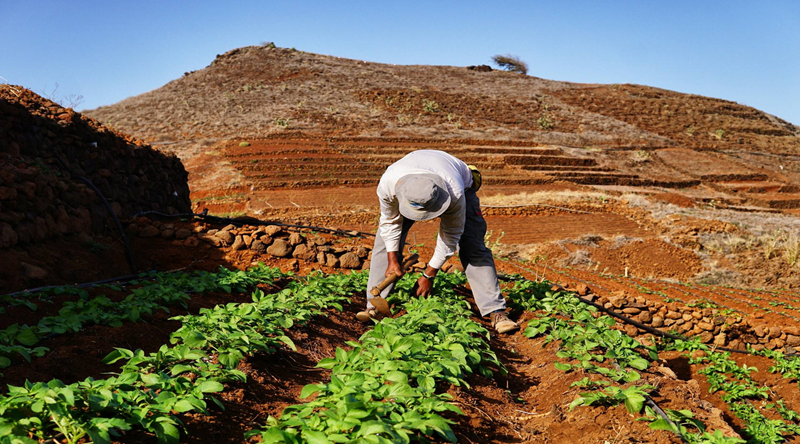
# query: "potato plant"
592,345
155,292
152,388
387,388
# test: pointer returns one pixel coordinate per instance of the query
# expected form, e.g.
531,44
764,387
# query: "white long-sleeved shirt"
456,175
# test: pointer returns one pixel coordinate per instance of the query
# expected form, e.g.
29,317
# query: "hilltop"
261,90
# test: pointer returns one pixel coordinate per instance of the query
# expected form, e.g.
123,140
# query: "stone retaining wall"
45,149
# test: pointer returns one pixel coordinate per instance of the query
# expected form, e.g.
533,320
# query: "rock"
258,247
294,265
212,231
672,315
618,302
687,317
705,326
321,257
225,236
149,231
130,230
265,239
238,243
774,332
191,241
365,265
720,339
631,331
8,236
706,337
280,248
296,239
331,260
793,340
760,331
32,271
213,240
697,354
248,240
658,321
791,331
631,311
582,289
697,315
666,371
168,234
362,252
272,230
350,261
182,234
302,251
645,317
229,227
776,343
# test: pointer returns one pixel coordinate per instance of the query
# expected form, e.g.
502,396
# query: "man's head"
422,196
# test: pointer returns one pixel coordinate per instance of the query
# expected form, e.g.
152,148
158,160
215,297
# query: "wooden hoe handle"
376,290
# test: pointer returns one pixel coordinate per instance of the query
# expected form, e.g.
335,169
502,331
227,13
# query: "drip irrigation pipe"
128,251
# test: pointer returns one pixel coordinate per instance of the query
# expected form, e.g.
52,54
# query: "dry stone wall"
46,149
269,241
713,326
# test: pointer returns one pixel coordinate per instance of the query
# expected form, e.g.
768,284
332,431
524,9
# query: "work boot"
502,323
367,315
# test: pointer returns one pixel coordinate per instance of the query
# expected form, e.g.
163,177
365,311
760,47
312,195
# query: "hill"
260,90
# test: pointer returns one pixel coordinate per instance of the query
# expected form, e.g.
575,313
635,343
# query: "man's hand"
394,268
424,284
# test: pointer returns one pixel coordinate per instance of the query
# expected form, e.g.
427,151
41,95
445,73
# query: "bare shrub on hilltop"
510,63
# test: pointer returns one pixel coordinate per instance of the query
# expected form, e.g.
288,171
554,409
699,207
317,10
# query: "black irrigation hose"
128,251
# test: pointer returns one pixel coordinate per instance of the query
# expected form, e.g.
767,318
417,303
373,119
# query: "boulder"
302,251
331,260
149,231
272,230
296,239
280,248
182,234
258,247
225,236
238,243
350,261
32,271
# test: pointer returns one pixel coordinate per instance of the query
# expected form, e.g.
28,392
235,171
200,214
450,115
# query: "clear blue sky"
745,51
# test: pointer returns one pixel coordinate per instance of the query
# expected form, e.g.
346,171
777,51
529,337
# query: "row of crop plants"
765,416
388,387
154,291
153,387
590,344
